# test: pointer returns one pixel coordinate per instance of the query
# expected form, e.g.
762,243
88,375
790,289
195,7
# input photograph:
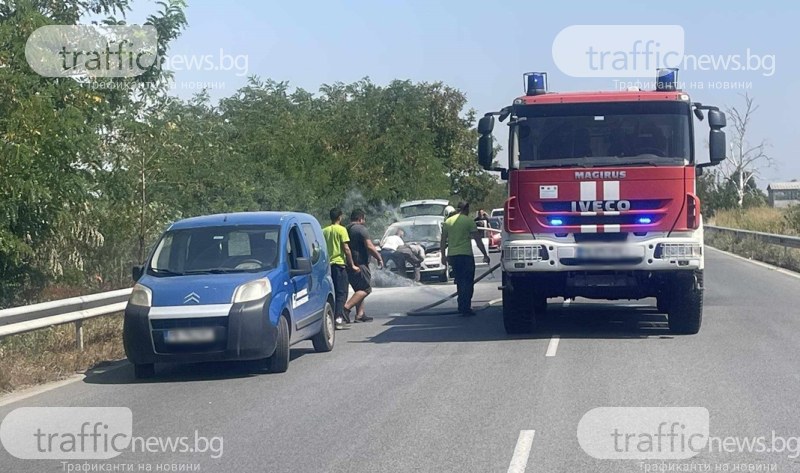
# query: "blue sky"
483,48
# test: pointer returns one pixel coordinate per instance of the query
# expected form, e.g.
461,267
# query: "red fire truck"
601,198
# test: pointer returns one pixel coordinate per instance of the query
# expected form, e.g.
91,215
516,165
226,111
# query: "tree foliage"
91,172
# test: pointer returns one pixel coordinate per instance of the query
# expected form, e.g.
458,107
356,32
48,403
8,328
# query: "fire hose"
421,310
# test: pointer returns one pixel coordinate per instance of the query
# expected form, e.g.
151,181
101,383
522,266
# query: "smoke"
385,278
379,216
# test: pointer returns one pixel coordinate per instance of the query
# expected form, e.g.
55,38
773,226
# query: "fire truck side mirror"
486,124
716,137
485,151
716,146
716,119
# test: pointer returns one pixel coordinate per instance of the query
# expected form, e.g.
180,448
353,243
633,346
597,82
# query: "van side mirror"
485,151
303,267
137,271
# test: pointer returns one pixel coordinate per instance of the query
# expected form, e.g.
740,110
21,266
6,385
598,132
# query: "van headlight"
141,296
252,291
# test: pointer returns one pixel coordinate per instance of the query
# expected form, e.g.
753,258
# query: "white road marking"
566,302
552,347
495,301
521,452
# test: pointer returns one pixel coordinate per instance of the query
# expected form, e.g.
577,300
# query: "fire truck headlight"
678,250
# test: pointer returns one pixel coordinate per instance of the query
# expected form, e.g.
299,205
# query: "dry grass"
759,219
50,354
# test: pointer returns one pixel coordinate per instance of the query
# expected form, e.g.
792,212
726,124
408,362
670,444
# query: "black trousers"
339,276
464,274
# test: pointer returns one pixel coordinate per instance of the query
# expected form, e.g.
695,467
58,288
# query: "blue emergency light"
555,221
644,220
667,79
535,83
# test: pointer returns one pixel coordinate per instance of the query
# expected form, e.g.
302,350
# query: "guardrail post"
79,335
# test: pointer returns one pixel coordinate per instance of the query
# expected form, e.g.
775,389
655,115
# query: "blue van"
238,286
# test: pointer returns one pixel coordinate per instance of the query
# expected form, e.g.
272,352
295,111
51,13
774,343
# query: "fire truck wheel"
517,315
662,303
539,305
685,312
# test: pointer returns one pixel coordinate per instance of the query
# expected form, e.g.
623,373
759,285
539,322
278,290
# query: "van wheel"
323,341
685,312
279,361
144,370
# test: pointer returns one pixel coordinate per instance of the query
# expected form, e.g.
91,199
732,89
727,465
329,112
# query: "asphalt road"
441,393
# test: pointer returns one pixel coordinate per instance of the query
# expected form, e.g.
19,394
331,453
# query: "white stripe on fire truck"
589,190
588,214
588,228
611,228
611,190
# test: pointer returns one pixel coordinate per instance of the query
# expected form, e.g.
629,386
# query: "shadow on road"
578,320
172,372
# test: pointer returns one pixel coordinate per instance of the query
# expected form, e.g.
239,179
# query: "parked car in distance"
498,213
427,232
239,286
495,238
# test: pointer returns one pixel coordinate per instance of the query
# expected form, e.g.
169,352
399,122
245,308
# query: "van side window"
294,247
312,242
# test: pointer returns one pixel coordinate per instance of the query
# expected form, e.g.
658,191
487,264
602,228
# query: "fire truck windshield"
604,134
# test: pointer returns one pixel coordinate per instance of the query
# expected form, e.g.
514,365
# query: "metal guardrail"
769,238
73,310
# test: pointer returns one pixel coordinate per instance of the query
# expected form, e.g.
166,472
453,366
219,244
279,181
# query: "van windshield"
211,250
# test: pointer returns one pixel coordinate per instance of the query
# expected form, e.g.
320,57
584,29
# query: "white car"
427,232
498,213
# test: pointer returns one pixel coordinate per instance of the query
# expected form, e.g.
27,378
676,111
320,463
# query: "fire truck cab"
601,198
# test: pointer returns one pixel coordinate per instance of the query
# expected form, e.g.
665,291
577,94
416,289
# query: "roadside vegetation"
49,354
92,171
759,219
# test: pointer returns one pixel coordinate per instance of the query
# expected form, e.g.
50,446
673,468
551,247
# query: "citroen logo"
191,297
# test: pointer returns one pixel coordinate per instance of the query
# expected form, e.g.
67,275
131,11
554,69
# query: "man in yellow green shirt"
337,241
458,232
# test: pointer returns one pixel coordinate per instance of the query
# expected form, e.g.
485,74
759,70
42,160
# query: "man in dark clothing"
362,248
